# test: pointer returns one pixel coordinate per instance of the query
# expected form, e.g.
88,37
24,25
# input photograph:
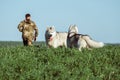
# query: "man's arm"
36,31
20,26
36,34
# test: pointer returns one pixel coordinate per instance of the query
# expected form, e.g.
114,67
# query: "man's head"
27,17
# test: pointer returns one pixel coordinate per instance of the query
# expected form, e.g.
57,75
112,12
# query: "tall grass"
41,63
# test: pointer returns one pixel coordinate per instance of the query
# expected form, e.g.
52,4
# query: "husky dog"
55,39
81,41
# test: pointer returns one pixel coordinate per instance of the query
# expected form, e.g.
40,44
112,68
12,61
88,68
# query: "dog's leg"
80,48
89,48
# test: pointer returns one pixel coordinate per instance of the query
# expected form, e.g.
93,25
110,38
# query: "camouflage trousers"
27,39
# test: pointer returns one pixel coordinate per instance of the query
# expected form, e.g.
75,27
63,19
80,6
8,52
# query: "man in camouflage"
29,30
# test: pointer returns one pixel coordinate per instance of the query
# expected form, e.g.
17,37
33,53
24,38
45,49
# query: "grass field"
40,63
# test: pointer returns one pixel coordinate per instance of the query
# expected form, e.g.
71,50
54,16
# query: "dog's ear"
53,27
70,27
76,28
47,28
75,25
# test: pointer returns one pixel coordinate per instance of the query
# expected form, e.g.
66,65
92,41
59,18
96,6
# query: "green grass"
40,63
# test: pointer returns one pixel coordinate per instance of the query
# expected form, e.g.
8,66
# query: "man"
29,30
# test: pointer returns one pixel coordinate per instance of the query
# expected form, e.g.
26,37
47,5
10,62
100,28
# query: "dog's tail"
92,43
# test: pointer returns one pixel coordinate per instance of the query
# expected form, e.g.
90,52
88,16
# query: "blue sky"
98,18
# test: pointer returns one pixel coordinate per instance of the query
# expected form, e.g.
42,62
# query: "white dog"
55,39
81,41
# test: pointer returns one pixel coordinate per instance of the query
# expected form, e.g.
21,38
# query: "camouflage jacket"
28,27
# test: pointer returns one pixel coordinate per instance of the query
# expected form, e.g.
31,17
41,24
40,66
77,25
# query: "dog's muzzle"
50,37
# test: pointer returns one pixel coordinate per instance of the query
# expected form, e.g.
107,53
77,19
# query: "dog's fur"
81,41
55,39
